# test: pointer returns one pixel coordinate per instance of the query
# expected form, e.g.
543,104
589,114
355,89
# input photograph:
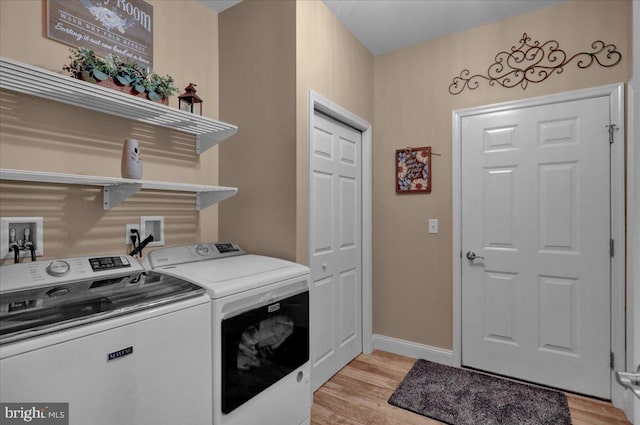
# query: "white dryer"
260,330
115,343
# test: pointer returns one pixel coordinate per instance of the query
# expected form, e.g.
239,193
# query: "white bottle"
131,166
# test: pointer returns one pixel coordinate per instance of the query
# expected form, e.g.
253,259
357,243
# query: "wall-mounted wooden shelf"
46,84
117,190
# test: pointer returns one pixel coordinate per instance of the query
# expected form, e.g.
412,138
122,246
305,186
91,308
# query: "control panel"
109,263
16,277
224,248
190,253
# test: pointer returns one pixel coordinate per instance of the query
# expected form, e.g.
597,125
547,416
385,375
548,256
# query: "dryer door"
262,345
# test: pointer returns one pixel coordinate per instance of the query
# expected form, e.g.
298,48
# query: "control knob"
58,268
202,250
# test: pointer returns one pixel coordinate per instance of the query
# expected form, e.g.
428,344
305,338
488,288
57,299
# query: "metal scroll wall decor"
532,62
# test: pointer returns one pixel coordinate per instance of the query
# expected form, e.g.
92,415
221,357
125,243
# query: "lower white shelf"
117,190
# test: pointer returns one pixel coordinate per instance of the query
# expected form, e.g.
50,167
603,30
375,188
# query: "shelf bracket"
206,141
117,193
202,144
205,199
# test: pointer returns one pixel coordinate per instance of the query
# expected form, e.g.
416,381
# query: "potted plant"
116,74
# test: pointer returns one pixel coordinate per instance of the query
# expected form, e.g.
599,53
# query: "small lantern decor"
189,100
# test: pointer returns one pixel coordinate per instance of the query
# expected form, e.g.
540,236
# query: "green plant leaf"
99,75
89,67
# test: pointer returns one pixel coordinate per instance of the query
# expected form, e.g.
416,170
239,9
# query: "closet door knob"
472,256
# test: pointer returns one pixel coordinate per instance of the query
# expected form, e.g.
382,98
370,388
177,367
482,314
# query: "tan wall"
272,53
412,268
257,93
334,64
47,136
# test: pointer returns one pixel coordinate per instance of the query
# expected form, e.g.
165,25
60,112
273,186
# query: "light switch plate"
433,225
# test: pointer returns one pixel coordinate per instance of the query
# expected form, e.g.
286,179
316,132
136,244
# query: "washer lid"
227,276
49,303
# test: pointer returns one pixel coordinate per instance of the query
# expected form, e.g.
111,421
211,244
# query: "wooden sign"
123,28
413,170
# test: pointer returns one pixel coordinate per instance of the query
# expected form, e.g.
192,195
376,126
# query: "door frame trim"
615,93
337,112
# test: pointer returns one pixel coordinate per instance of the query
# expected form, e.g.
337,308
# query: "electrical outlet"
25,233
128,233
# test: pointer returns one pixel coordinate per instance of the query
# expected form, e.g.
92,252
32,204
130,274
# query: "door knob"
630,381
472,256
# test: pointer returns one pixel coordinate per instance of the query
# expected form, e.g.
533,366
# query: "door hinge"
611,247
611,128
612,360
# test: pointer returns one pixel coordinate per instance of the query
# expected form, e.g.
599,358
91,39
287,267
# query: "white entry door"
536,214
335,222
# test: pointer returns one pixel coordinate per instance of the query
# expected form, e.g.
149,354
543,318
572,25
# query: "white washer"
260,328
119,344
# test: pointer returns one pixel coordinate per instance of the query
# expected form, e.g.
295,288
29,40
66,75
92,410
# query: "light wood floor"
358,394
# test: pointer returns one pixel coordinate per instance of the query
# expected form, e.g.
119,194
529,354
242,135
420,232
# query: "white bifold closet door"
335,232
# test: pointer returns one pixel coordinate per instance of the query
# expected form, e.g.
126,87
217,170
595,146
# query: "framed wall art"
123,28
413,170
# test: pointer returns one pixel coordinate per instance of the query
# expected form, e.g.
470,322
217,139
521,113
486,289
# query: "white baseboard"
412,349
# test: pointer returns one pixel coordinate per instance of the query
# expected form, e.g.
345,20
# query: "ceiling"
220,5
386,25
